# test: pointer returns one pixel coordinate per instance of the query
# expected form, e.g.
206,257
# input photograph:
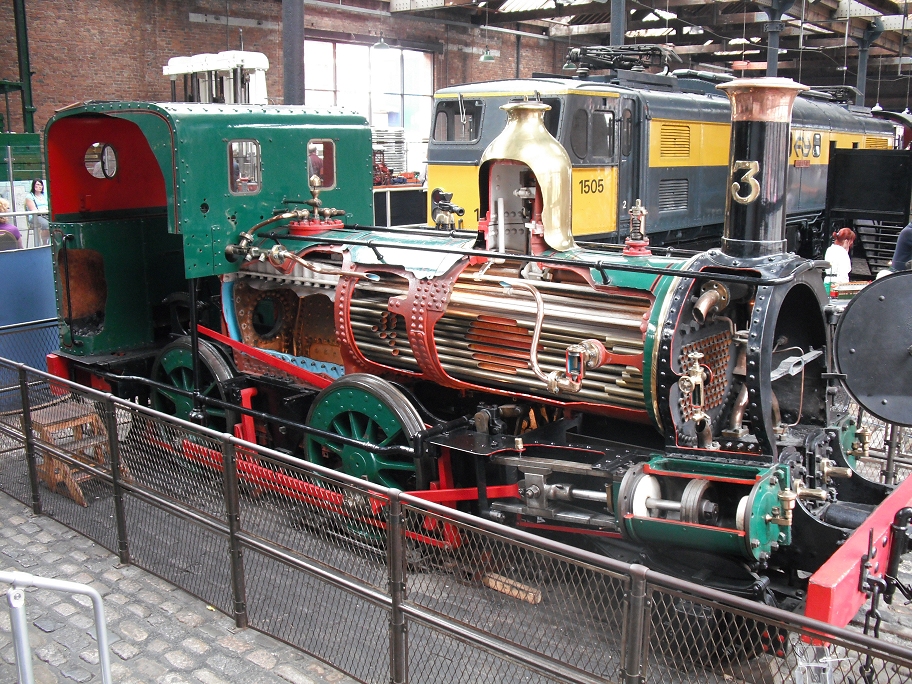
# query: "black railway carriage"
661,139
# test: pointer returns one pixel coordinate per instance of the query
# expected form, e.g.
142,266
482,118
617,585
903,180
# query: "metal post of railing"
233,509
635,637
30,458
889,472
398,630
15,597
120,516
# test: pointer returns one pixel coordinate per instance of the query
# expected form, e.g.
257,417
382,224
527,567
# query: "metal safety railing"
15,598
380,584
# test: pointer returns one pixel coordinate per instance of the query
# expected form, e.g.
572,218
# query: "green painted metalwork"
709,539
174,367
201,206
141,266
762,486
27,159
765,504
848,428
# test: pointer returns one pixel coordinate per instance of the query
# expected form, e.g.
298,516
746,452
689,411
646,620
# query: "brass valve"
862,443
829,470
782,514
692,381
803,492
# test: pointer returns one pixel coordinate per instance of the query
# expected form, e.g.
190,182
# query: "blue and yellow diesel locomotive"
660,139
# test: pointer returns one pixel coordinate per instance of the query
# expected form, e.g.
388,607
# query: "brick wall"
115,49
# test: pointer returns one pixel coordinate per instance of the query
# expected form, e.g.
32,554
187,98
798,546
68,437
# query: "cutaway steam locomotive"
663,408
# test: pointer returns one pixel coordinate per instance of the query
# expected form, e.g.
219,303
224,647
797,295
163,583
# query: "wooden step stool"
78,429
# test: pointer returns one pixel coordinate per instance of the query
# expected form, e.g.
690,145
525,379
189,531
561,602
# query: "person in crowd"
6,222
36,200
838,256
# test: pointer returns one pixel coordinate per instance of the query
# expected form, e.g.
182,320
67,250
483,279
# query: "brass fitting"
829,469
782,514
803,492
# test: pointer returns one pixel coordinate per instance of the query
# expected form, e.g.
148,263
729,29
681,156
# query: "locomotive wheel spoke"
370,410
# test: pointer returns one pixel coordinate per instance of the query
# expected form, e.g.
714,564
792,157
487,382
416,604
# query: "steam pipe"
736,422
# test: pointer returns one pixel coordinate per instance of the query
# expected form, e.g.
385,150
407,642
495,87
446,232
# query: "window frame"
478,106
331,144
232,181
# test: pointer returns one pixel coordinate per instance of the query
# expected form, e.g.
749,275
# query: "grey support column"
293,51
871,34
618,21
773,28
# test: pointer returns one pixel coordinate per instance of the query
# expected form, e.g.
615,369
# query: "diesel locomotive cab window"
626,132
321,162
101,160
457,120
603,134
552,116
579,133
244,168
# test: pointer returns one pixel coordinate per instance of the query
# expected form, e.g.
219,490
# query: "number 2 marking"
751,169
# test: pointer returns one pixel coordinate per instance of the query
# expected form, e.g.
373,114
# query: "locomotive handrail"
599,266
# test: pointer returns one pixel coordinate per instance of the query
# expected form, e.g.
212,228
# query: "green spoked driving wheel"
368,409
174,367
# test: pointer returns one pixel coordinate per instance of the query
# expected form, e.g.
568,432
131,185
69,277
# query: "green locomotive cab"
150,195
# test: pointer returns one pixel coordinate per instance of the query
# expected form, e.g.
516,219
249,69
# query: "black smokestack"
758,164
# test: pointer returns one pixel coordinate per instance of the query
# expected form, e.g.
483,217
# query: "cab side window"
244,168
458,120
321,162
603,134
552,116
579,133
626,132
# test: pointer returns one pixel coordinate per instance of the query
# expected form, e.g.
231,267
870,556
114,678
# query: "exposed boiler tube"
704,432
714,298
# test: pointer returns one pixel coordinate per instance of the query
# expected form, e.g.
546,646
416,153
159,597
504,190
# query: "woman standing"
37,200
838,256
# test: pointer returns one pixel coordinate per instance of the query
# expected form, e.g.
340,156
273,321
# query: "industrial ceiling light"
381,45
569,66
486,56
